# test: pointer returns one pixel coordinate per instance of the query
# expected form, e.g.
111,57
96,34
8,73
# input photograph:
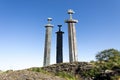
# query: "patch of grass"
37,69
8,71
66,75
1,71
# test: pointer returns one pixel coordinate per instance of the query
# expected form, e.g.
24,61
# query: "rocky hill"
52,72
75,69
68,67
62,71
27,75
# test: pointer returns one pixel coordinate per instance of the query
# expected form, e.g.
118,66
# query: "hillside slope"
61,71
52,72
27,75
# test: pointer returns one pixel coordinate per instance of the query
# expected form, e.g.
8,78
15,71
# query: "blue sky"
22,30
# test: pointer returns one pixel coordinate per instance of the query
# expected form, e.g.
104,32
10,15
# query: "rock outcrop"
75,68
27,75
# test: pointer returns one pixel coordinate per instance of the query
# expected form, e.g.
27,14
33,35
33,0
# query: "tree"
109,58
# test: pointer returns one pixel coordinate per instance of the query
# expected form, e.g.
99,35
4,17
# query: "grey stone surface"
27,75
47,43
73,55
74,68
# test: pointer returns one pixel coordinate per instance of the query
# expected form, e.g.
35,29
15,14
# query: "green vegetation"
106,60
8,71
65,75
37,69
